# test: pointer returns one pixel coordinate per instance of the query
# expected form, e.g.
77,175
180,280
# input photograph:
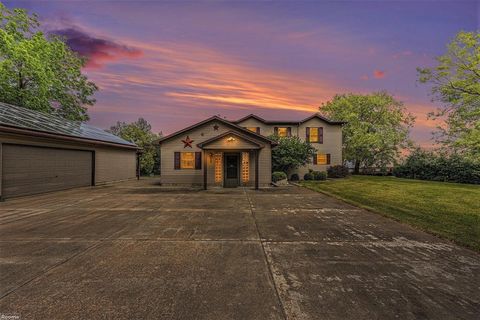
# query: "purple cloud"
98,51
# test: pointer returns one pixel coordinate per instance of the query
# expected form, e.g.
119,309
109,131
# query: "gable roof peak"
224,121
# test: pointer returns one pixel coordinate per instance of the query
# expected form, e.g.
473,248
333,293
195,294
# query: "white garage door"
29,170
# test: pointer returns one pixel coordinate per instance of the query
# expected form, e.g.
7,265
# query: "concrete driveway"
135,251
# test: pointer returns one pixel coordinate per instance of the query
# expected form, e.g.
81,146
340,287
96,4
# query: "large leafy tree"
455,83
140,133
290,153
40,72
376,130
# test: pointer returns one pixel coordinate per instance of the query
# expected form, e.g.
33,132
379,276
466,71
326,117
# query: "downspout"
138,165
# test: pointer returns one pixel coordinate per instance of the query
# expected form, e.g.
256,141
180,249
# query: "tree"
38,72
455,83
377,127
140,133
290,153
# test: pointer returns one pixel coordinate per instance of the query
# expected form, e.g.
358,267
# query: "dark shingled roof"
295,122
18,117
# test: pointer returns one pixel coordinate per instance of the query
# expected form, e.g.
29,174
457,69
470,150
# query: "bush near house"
308,176
426,165
290,153
337,171
294,177
319,175
278,175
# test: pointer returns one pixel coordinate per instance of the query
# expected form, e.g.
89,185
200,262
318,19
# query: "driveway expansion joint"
267,262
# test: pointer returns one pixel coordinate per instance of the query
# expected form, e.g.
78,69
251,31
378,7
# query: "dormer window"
253,129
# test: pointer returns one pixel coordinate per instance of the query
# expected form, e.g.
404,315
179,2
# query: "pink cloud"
364,77
378,74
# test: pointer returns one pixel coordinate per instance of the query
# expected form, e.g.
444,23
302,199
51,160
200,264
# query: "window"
283,131
218,167
321,158
315,134
245,167
253,129
187,160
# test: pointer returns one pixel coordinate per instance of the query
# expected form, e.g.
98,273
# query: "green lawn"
450,210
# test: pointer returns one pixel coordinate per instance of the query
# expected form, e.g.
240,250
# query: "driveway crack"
267,262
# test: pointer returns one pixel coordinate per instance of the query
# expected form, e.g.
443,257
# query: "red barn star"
187,142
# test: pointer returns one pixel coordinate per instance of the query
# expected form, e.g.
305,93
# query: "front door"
232,170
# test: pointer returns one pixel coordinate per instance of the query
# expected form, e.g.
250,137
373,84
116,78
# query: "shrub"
338,171
278,175
290,153
439,167
319,175
308,176
294,177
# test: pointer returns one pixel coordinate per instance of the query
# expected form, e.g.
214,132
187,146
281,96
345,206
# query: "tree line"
39,71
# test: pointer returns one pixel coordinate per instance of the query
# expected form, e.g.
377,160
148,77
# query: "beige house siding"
265,166
170,176
332,144
113,164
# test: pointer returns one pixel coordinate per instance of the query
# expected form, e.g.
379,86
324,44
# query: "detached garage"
42,153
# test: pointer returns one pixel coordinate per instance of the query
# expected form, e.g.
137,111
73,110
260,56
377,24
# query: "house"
323,134
222,153
40,153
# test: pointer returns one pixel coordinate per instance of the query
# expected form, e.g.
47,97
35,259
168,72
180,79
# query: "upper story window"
253,129
314,134
283,131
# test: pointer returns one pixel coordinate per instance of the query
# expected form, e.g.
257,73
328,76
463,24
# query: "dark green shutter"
275,131
315,158
307,137
176,160
289,131
198,160
328,158
258,130
320,135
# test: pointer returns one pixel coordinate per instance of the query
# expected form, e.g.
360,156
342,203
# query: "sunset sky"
177,63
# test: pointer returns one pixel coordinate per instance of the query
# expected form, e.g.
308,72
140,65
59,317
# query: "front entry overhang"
231,141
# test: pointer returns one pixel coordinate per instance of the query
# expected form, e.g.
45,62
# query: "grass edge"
386,215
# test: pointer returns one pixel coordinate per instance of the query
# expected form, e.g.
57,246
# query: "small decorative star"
215,127
187,142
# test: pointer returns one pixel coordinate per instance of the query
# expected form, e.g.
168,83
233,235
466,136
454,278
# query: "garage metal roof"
19,117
